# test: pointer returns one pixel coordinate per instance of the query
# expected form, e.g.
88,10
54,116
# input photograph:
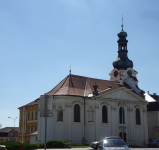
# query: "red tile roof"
30,104
82,86
135,79
34,133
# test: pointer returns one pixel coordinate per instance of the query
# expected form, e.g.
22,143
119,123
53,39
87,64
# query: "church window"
104,114
76,113
90,115
121,115
60,114
137,116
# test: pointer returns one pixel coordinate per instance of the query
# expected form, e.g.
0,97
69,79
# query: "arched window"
59,114
137,116
76,113
121,115
104,114
90,115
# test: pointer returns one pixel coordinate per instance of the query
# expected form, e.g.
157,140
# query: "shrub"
41,145
57,144
30,146
11,145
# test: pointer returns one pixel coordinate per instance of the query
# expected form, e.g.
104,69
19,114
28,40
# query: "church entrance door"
120,134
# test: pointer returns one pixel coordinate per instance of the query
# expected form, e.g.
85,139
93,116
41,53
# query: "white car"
2,147
112,143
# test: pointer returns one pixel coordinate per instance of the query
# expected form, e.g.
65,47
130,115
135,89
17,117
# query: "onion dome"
122,34
122,62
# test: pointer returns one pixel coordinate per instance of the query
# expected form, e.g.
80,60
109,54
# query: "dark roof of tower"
122,62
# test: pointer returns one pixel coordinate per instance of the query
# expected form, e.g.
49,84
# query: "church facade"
87,109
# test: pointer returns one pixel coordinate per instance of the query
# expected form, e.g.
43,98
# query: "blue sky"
39,40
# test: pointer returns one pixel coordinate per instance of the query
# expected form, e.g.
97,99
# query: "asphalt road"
92,149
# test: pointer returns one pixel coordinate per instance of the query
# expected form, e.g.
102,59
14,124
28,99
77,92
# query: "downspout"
84,111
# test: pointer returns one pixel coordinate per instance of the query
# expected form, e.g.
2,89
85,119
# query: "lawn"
80,147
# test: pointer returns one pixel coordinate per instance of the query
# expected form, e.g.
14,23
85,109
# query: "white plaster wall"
152,119
33,139
73,132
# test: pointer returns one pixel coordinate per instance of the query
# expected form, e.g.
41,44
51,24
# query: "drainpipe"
84,140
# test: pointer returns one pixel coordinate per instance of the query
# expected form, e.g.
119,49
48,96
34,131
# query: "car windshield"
155,141
114,143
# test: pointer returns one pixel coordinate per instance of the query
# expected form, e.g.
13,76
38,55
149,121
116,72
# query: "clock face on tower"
129,73
115,73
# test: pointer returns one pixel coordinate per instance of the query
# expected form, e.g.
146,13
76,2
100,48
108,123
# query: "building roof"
83,86
30,104
155,97
34,133
7,129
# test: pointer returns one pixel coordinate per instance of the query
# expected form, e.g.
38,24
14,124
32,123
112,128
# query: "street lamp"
123,113
14,120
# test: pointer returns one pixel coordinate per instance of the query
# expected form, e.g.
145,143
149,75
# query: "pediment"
122,94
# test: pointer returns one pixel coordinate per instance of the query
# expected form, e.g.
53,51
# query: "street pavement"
92,149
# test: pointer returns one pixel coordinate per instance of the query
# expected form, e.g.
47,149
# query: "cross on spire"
70,69
122,22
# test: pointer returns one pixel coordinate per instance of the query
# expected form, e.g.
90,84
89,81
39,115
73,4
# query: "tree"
0,125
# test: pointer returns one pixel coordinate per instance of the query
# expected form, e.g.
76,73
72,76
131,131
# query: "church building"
87,109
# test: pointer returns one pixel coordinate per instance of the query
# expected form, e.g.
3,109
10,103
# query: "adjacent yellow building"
30,121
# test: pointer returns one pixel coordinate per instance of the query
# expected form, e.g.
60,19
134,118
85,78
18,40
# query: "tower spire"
122,23
70,69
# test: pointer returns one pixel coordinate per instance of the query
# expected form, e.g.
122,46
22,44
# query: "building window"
76,113
104,114
28,129
32,116
137,116
28,116
32,129
121,115
59,114
90,115
36,115
36,128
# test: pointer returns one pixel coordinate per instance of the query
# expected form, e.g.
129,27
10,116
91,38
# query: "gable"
122,94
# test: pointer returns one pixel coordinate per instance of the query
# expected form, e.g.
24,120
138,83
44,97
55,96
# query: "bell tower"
123,67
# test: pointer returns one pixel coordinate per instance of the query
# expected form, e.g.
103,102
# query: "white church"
87,109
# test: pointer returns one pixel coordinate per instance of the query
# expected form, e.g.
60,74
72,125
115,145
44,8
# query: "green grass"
80,146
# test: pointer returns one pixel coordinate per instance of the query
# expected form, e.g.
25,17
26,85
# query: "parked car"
94,145
154,143
2,147
110,142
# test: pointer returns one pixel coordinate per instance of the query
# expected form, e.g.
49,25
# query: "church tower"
123,67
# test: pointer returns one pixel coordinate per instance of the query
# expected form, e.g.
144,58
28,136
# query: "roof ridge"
70,80
91,78
85,88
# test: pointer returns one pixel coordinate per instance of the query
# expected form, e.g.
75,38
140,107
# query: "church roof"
83,86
